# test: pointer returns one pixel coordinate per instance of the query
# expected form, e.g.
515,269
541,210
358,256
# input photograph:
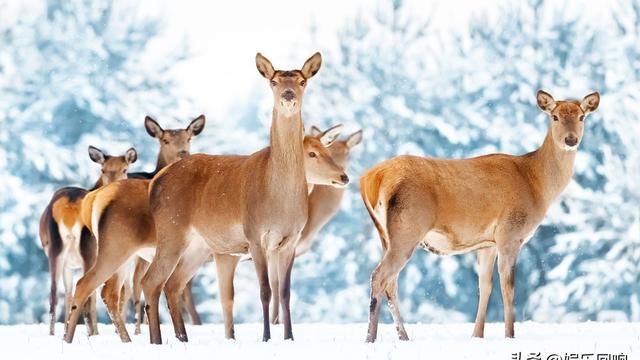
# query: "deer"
101,205
491,204
67,244
324,203
174,145
320,170
255,204
123,221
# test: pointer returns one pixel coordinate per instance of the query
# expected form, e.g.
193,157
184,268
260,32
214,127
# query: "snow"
463,90
451,341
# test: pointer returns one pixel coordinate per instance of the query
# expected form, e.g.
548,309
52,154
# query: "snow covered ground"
334,342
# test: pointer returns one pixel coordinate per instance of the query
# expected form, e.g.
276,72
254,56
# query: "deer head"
320,167
567,117
175,144
114,168
340,149
288,86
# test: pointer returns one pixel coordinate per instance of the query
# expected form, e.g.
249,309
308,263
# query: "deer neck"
551,169
97,185
162,162
285,165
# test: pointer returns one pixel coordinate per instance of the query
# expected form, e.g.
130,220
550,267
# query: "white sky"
224,37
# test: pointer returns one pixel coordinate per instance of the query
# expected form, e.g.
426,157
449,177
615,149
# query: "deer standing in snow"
66,242
491,204
117,212
255,203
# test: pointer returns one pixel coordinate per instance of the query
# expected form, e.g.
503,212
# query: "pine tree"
71,73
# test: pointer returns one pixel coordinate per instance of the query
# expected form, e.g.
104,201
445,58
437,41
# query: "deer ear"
315,131
312,65
196,126
96,155
590,102
354,139
545,101
330,135
131,155
264,66
153,128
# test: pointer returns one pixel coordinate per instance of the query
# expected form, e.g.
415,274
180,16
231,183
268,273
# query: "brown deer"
324,203
100,206
175,145
238,204
492,204
69,245
320,170
124,228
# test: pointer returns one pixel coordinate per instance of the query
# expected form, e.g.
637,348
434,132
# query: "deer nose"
183,154
571,140
288,95
344,178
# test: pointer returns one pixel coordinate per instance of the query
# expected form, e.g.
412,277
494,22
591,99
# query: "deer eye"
166,142
102,170
555,118
312,154
273,83
124,171
582,118
303,82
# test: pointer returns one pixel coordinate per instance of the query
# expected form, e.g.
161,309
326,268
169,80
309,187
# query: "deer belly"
71,240
437,242
443,243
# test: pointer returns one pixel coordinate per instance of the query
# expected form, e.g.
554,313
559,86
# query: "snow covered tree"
414,92
72,73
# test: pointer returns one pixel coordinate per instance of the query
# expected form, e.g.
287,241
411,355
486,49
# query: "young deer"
320,170
237,204
324,203
112,213
492,204
67,244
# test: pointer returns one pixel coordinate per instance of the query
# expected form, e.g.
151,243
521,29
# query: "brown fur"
455,206
120,211
75,249
324,203
236,204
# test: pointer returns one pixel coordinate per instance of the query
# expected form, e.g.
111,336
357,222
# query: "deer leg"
173,293
67,277
507,257
89,253
402,242
141,269
111,295
392,296
486,261
260,262
125,296
192,259
55,269
226,268
274,280
111,259
189,304
285,263
171,245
